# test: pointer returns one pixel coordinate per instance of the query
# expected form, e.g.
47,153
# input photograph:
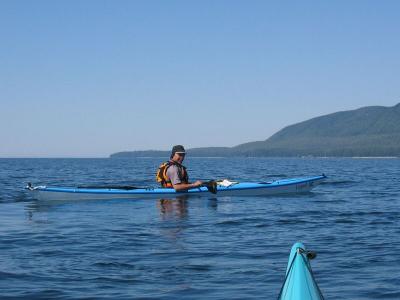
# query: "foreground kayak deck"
293,185
299,282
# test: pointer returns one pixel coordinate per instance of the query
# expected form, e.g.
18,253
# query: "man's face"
179,157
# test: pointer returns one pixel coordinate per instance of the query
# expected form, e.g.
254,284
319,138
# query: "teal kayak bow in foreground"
282,186
299,282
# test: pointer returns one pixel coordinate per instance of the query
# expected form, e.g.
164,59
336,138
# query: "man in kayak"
172,174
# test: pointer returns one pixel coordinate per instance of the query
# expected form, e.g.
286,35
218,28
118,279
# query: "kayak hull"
299,281
284,186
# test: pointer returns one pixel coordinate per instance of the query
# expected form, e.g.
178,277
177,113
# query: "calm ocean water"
225,248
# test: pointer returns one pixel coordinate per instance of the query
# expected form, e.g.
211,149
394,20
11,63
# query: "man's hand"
197,183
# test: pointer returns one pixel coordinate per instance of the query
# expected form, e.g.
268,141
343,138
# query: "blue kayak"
283,186
299,282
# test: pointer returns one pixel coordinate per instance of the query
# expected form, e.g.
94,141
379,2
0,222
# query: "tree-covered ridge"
368,131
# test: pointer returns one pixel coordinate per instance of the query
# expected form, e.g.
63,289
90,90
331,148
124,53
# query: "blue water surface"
199,248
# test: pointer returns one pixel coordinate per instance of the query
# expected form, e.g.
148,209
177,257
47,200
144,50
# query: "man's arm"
172,173
186,186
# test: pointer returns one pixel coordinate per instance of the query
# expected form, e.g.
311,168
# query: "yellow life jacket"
163,178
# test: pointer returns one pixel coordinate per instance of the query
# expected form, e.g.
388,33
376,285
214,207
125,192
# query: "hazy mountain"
367,131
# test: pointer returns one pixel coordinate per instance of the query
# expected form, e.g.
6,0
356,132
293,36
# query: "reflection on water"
179,207
168,207
173,207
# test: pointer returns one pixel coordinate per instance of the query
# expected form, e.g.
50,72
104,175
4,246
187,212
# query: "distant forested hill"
368,131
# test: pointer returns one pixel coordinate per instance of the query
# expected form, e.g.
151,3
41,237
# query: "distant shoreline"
377,157
367,132
217,157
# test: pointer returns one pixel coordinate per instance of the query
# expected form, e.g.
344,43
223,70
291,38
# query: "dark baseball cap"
178,149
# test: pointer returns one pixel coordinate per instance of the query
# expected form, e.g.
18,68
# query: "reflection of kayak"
294,185
299,281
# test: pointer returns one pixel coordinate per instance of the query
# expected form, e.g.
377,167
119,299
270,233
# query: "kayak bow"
299,282
283,186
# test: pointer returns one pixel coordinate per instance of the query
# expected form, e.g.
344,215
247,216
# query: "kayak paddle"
211,186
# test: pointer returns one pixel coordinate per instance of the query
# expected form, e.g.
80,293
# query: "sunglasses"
181,154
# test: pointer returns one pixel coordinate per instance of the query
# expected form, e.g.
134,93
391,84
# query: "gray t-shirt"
173,174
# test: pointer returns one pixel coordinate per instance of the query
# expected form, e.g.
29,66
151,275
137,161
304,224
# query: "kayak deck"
293,185
299,282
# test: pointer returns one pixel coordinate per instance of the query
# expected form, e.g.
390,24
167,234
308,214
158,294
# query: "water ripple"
222,248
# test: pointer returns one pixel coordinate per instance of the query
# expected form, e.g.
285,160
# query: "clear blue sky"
88,78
